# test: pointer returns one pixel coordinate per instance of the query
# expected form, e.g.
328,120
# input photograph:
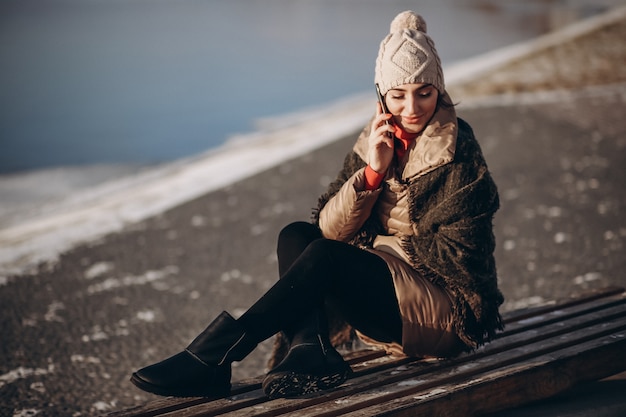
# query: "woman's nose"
411,106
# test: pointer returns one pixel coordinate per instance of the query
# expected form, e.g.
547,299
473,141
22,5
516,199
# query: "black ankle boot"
203,368
311,364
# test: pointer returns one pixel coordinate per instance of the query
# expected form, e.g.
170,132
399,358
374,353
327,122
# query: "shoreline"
114,205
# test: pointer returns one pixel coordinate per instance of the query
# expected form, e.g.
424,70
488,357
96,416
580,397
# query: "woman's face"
412,105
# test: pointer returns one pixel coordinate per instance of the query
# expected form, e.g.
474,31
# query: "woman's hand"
380,153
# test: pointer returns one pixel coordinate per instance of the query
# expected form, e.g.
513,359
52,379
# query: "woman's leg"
312,364
295,238
356,281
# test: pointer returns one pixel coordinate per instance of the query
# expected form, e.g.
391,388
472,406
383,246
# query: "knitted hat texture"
407,55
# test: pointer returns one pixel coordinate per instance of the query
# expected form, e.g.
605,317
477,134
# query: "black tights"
313,271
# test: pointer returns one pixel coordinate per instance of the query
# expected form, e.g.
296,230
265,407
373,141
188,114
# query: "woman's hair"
445,102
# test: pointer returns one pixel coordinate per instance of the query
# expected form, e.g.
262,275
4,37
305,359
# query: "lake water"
128,83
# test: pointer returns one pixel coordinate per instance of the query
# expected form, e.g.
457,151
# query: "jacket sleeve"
346,212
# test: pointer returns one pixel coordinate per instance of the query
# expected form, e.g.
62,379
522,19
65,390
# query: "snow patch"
98,269
23,372
148,277
27,412
51,314
84,359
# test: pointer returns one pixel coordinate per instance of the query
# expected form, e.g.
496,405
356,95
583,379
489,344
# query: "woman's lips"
411,120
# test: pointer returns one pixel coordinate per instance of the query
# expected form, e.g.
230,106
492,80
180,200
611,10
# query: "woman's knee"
299,231
336,258
292,241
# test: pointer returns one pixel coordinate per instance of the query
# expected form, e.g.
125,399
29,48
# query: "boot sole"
291,384
169,392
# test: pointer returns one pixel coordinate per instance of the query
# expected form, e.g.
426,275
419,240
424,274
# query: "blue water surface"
145,81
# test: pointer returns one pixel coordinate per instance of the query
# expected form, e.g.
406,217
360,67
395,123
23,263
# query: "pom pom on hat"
407,55
408,20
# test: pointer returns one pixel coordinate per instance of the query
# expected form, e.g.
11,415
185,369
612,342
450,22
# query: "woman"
401,247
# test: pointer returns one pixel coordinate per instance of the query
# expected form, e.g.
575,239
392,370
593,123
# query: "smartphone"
381,100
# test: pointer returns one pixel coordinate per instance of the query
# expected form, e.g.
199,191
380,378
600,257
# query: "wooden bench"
540,353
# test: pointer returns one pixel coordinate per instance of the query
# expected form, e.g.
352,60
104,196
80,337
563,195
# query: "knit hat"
407,55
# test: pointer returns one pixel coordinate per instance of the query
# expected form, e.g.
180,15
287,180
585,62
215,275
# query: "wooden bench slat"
557,313
597,295
545,339
163,406
528,333
513,385
414,386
